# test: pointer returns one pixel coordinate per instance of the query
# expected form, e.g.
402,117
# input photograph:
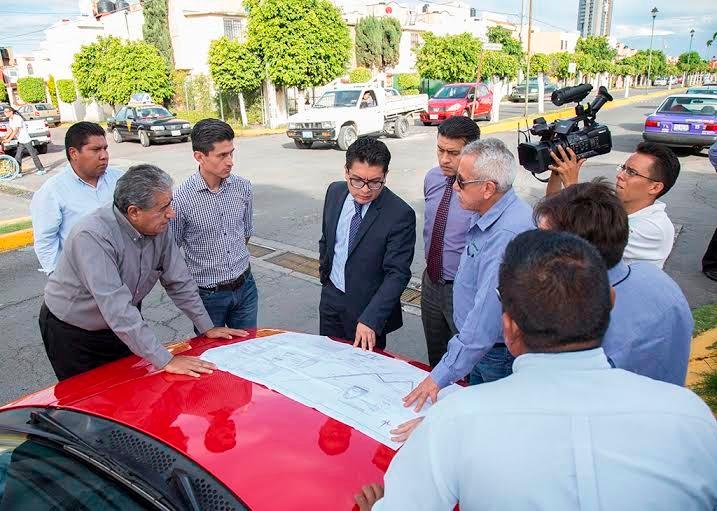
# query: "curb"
702,358
509,124
12,221
15,240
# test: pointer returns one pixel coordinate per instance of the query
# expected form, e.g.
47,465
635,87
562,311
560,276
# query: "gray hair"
494,162
138,186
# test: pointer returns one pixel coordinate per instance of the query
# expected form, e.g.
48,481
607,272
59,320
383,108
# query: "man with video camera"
646,175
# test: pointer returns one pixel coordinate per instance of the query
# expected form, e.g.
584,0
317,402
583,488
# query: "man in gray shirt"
112,260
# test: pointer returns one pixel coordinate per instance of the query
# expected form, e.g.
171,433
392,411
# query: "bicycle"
9,168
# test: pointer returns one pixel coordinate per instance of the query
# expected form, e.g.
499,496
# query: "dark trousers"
30,149
335,321
709,260
73,350
496,364
235,309
437,317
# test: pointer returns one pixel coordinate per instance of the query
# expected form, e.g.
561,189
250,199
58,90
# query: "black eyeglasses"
463,182
632,172
359,183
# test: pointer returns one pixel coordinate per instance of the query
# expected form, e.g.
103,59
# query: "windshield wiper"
184,485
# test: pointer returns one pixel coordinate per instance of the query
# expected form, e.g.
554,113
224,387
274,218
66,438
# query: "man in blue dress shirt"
484,185
651,324
85,184
565,431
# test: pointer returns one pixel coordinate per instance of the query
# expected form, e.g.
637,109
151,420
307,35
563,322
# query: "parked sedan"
684,120
458,99
41,111
126,436
702,90
147,123
518,93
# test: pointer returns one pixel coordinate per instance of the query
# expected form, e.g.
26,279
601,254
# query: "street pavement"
289,186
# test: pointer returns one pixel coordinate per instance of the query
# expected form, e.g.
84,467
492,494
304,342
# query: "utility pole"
654,12
689,52
530,36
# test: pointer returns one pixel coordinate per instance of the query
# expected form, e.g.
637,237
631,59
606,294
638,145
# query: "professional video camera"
591,140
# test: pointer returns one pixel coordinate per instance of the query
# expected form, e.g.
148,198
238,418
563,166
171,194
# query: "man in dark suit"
366,249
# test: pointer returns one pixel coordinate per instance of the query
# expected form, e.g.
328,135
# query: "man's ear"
132,211
198,155
656,188
612,297
513,336
72,152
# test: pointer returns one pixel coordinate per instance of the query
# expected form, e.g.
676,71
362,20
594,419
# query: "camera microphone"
570,94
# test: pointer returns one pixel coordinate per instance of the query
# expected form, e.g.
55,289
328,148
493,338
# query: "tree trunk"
497,98
541,94
242,109
627,80
300,100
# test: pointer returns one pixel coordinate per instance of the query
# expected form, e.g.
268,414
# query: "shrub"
66,90
359,75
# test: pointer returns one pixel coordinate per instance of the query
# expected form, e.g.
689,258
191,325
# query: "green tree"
498,63
301,43
689,61
52,90
233,66
559,63
110,71
31,89
156,28
641,62
408,83
585,63
3,92
451,58
502,35
711,40
378,42
541,63
598,47
359,75
66,90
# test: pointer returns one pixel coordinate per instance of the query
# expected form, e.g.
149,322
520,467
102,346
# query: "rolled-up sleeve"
95,264
181,287
483,325
46,221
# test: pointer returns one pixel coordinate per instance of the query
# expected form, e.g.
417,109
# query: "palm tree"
714,38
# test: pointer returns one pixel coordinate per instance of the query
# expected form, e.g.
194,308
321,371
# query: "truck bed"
402,105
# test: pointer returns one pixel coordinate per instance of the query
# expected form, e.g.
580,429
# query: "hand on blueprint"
192,366
402,432
365,337
368,496
427,388
221,332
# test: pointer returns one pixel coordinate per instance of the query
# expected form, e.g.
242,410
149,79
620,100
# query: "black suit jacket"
378,266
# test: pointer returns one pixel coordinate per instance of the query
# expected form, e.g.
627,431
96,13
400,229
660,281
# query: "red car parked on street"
458,99
126,436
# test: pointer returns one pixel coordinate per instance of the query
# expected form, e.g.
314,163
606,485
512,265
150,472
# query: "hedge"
66,90
360,75
31,89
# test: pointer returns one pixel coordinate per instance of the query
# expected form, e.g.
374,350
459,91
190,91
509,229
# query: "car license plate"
433,116
307,134
680,127
50,118
176,133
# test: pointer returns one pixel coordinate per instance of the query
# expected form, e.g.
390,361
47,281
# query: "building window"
29,70
235,29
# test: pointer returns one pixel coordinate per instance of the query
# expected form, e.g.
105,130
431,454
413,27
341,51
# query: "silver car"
40,111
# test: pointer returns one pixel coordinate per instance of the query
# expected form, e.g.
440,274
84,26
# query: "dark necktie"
435,252
355,223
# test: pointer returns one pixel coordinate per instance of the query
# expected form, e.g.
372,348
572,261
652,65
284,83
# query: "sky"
631,20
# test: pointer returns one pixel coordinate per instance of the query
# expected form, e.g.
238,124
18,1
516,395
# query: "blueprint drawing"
359,388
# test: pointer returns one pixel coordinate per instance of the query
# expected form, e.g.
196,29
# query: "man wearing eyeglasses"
365,251
646,175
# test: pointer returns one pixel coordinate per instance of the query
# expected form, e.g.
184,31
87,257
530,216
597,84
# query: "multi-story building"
594,17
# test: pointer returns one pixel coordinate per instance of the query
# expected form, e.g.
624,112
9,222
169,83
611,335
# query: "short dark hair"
665,164
459,128
554,285
592,211
78,135
207,132
370,151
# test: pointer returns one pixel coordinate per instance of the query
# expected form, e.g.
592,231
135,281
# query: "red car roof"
271,451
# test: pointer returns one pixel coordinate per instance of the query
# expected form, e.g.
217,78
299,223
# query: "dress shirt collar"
199,184
618,273
494,213
584,360
126,225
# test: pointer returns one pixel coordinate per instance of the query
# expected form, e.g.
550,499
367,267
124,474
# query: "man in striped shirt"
213,226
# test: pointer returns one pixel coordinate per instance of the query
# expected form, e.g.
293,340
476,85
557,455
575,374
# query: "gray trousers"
30,149
437,317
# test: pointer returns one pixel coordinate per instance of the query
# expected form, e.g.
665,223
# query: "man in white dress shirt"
565,431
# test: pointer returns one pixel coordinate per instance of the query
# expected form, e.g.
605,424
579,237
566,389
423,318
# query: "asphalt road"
289,186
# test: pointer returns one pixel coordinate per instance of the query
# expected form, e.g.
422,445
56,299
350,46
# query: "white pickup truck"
343,114
38,131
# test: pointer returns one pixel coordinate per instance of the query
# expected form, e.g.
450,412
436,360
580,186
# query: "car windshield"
702,91
38,476
452,92
44,106
153,112
338,98
695,105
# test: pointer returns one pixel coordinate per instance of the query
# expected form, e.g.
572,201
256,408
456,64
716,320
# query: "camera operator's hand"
565,170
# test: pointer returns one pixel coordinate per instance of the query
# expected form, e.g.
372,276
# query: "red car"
458,99
125,436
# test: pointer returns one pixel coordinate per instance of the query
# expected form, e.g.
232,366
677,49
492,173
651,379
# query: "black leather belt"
230,285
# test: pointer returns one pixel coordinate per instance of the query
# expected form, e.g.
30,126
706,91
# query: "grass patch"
705,318
707,389
5,229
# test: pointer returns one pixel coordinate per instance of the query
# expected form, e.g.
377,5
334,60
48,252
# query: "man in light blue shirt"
85,184
651,324
565,431
484,185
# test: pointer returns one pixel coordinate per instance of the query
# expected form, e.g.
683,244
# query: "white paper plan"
359,388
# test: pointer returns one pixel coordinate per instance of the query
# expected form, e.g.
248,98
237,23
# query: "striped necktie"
355,223
434,262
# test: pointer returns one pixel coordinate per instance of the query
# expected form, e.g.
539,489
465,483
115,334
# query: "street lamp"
689,52
654,12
